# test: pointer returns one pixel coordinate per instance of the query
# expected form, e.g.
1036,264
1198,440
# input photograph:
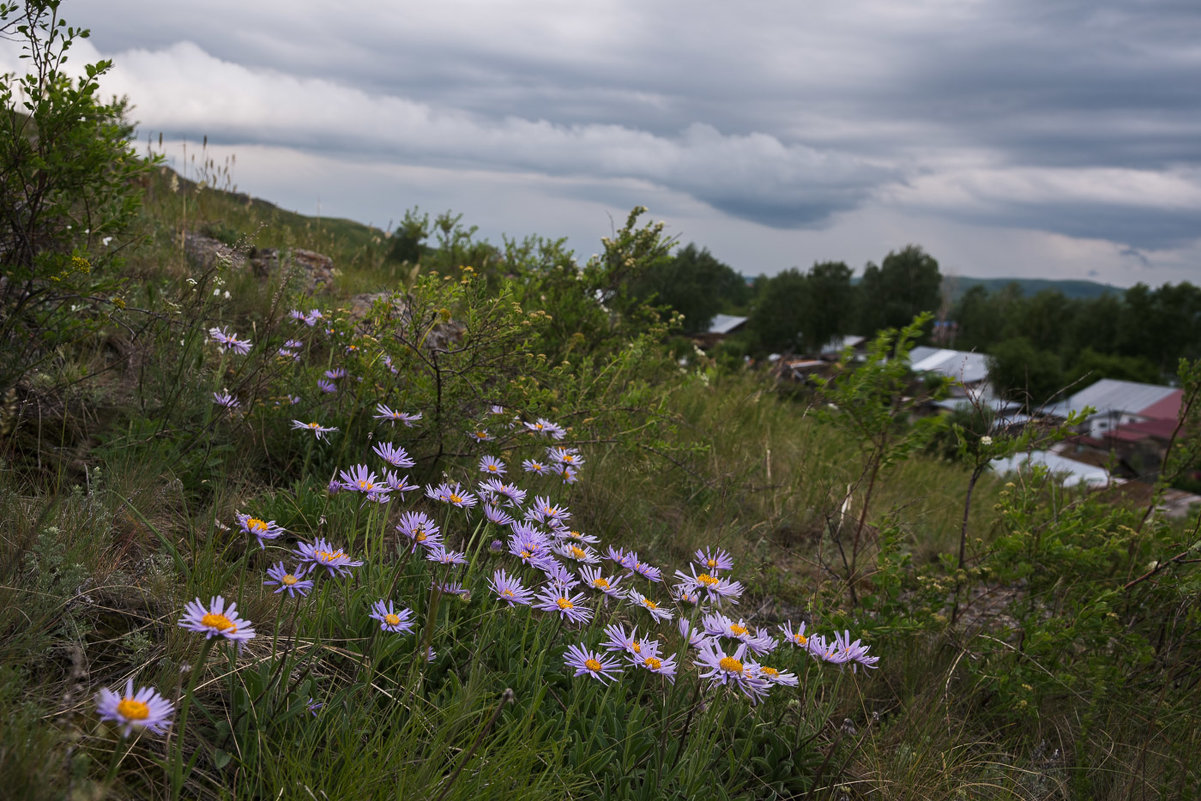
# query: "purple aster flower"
492,466
591,663
296,314
713,561
510,492
778,676
695,638
480,435
419,529
731,670
360,479
396,483
657,612
454,495
853,652
321,553
569,474
319,431
566,456
546,512
263,530
312,317
291,583
335,373
546,427
653,661
578,553
556,573
391,620
451,588
326,386
535,466
442,556
509,589
571,535
797,638
293,344
557,599
216,620
622,557
229,341
621,640
397,457
384,413
646,571
144,709
609,585
226,400
685,594
496,515
714,587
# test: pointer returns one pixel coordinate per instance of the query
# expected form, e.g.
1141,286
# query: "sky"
1008,138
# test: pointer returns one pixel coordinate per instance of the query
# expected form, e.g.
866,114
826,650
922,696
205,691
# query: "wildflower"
455,496
226,400
714,587
685,593
321,553
621,557
391,620
510,492
451,588
319,431
566,456
652,661
291,583
713,561
293,344
360,479
797,638
492,466
312,317
778,677
284,353
335,373
420,529
658,613
557,599
296,314
546,512
509,589
229,341
569,474
621,640
646,571
534,466
606,584
397,484
263,530
578,536
496,515
313,706
853,652
384,413
544,426
397,457
442,556
557,574
326,386
570,550
695,638
217,620
590,663
729,669
144,709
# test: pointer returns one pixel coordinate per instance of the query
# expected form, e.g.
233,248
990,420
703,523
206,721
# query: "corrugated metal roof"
1111,395
1070,471
725,323
965,366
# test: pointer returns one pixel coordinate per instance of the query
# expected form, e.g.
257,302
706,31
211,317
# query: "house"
721,326
1070,472
967,369
1119,404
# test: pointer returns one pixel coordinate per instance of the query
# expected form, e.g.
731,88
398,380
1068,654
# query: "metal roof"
725,323
966,366
1070,471
1111,395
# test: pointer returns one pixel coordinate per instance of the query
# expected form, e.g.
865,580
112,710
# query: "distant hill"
1030,286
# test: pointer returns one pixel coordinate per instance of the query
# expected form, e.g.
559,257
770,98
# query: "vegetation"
255,529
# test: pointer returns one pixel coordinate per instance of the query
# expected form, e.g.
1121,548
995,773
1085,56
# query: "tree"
829,304
778,313
905,285
694,283
1021,372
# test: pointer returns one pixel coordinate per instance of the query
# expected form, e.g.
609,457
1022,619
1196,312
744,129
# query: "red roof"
1166,409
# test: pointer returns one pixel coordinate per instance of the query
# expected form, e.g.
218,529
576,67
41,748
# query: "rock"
314,270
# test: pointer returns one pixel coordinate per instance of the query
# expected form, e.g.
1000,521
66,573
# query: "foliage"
693,283
906,283
1021,372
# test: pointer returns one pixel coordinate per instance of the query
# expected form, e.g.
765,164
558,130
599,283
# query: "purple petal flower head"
547,428
144,709
509,589
546,512
396,483
292,583
454,495
556,574
685,594
778,676
571,535
326,386
480,435
392,416
397,457
569,607
653,661
713,561
731,670
621,640
226,400
293,344
390,620
216,620
419,529
322,554
496,515
622,557
229,341
569,474
853,652
312,317
319,431
535,466
451,588
591,663
714,587
657,612
284,353
646,571
565,456
335,373
694,637
297,315
492,466
262,529
797,638
578,553
360,479
609,585
510,492
442,556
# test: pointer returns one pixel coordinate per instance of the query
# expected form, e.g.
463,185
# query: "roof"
965,366
840,343
1111,395
1070,471
725,323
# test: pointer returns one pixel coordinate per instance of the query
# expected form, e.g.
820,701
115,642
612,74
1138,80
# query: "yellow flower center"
130,709
730,664
314,425
366,485
392,620
289,580
525,554
327,556
218,622
649,604
575,535
637,646
567,458
507,593
592,665
652,663
455,498
801,639
600,583
707,580
769,671
536,466
737,629
482,434
491,468
712,563
578,552
565,604
419,535
254,524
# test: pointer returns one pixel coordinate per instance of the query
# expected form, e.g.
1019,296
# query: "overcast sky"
1024,138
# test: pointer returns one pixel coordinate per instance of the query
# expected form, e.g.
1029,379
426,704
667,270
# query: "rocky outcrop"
311,270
